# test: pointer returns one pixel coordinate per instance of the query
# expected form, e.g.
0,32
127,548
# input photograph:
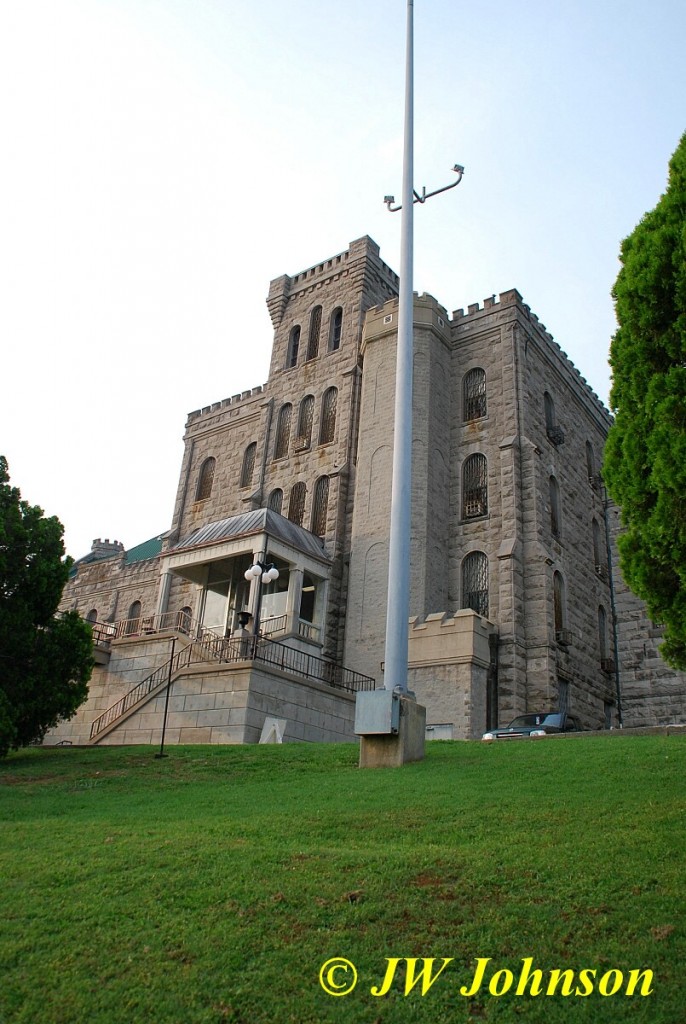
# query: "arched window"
474,394
559,607
248,464
475,582
315,329
327,429
283,431
133,620
305,416
275,500
602,631
205,479
293,346
320,506
597,548
590,460
335,329
296,503
474,487
554,497
92,615
554,433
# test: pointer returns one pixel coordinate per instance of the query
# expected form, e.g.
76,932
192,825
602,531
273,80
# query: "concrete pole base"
392,750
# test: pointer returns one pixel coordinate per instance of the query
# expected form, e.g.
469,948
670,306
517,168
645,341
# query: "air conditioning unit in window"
474,508
556,435
301,444
596,482
563,637
607,665
601,572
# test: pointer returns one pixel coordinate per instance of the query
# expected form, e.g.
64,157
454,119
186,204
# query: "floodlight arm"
390,200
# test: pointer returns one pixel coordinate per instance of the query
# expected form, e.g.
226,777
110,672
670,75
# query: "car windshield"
534,721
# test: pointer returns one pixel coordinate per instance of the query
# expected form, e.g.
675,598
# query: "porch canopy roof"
227,537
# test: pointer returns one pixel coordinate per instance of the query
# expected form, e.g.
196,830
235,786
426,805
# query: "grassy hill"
213,885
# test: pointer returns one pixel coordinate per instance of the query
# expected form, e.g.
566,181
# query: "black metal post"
166,701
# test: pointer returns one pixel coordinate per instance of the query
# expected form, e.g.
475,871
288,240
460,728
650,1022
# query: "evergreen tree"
45,660
645,456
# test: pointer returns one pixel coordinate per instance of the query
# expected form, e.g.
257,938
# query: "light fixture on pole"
269,574
398,607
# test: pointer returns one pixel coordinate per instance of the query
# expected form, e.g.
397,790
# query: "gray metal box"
377,712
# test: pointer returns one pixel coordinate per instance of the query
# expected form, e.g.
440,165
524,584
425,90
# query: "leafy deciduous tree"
45,660
645,456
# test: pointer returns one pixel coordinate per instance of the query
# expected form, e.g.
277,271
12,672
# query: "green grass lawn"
212,885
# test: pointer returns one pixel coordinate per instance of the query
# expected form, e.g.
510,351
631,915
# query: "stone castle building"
513,563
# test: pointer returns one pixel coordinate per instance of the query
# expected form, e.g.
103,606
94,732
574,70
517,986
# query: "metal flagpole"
398,608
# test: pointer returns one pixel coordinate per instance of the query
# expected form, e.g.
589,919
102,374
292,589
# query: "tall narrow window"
602,632
474,394
296,503
315,329
248,464
293,346
474,487
205,479
555,434
133,621
336,329
283,431
305,416
554,498
320,506
475,582
275,500
590,460
327,429
559,604
597,548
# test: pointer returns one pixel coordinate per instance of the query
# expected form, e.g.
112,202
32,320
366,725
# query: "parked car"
534,725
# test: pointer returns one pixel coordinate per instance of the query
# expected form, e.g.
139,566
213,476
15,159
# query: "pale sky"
165,159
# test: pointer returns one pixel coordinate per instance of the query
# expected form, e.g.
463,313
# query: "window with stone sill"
554,498
303,437
475,582
474,394
474,487
320,506
293,347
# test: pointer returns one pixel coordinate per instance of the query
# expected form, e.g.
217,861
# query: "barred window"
320,506
474,394
283,431
315,328
327,429
275,500
336,329
305,417
475,582
293,346
554,507
248,464
559,601
474,487
296,503
205,479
